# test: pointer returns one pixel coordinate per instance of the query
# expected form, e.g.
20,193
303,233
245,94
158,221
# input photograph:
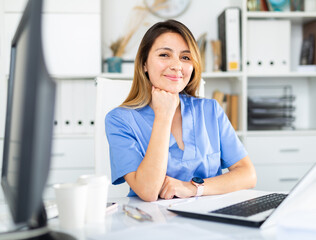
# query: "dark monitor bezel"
20,201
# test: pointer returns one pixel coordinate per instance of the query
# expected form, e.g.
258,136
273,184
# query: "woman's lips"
173,77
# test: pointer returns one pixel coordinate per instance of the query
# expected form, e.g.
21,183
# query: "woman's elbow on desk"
251,174
245,172
149,198
143,191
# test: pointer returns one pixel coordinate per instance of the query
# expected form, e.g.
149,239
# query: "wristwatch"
199,183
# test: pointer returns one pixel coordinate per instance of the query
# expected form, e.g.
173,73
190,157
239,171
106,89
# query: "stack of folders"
271,112
229,103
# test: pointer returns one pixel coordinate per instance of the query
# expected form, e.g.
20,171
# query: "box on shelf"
268,46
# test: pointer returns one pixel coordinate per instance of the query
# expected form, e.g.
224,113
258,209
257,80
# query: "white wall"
200,17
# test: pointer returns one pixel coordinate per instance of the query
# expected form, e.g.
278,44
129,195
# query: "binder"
309,29
66,110
57,115
268,54
229,33
234,111
79,105
89,115
229,103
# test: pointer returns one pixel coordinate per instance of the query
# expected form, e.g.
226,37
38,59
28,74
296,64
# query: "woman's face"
169,63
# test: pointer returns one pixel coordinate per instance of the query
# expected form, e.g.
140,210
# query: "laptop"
252,208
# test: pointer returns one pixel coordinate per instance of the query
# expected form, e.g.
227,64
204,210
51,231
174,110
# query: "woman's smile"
174,78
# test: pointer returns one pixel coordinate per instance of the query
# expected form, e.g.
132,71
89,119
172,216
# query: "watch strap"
199,188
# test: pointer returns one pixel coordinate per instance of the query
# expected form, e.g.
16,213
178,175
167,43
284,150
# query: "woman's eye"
186,58
163,55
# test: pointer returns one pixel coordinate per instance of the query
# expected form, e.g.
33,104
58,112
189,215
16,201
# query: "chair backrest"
110,94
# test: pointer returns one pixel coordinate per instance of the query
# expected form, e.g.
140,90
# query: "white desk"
165,225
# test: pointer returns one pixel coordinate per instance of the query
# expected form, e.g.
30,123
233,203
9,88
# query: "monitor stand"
37,230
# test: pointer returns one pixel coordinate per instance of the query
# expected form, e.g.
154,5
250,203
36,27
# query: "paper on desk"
176,201
172,202
165,231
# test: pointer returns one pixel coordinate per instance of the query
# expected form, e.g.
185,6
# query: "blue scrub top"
210,141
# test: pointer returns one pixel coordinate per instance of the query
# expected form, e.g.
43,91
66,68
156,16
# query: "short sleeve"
125,153
232,150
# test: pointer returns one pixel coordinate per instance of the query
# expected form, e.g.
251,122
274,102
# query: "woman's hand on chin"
164,103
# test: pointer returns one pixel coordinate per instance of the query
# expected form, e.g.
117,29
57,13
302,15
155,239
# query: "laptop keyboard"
253,206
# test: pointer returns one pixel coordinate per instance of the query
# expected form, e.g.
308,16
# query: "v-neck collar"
188,132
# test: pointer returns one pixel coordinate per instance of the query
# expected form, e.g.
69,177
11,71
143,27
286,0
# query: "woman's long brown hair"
140,93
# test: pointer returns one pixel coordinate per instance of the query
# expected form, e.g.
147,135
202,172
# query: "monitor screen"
28,130
29,121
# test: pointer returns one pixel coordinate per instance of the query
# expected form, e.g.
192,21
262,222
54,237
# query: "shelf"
73,77
207,75
288,75
300,132
293,16
118,76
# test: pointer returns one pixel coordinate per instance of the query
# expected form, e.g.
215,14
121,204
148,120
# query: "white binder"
79,105
89,114
57,113
66,109
229,30
268,46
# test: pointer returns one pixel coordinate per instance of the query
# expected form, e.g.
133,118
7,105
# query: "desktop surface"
168,225
164,225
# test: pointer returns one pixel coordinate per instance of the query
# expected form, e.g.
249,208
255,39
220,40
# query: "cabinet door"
71,43
73,153
282,149
279,177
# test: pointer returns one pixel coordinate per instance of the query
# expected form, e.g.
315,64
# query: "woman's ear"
145,68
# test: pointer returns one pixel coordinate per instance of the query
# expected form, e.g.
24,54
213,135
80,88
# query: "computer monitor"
28,127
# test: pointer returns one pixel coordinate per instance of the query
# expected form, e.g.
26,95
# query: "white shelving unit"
281,175
281,157
266,148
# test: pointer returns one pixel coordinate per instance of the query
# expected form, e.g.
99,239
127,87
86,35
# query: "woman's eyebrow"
171,50
164,48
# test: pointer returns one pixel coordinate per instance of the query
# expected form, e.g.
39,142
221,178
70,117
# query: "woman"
165,142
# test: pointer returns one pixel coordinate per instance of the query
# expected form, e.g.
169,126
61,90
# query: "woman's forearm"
241,175
149,177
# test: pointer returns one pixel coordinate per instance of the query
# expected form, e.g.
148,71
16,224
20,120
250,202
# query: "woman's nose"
176,65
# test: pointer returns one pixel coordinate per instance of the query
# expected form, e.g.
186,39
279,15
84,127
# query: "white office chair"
110,94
